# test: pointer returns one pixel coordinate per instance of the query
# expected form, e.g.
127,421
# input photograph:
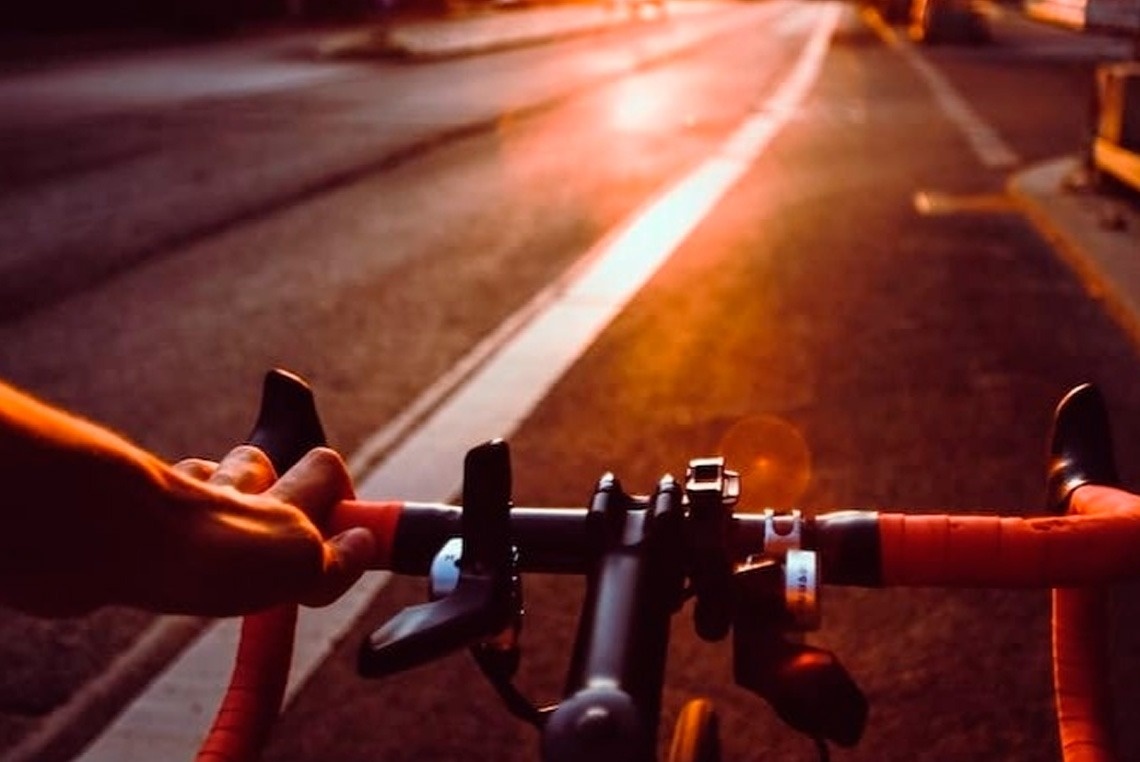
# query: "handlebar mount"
644,557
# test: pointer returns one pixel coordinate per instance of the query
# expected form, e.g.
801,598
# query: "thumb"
347,555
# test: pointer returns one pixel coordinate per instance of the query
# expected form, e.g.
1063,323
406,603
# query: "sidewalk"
400,34
494,30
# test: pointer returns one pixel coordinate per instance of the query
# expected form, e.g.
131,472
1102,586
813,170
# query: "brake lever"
806,686
1080,447
482,603
287,425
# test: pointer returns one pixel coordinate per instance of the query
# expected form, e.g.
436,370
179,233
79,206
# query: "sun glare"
773,459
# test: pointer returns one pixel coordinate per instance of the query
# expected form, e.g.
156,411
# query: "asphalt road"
918,355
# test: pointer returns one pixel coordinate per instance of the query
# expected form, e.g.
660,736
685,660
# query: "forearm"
90,519
73,492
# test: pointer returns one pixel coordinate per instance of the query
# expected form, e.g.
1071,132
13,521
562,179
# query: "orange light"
773,459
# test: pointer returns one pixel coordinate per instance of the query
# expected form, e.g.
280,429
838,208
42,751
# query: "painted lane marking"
935,203
987,144
502,385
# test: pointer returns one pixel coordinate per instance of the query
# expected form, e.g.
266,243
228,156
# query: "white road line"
502,385
986,142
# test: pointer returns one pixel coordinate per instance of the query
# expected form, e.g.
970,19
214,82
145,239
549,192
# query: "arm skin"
87,519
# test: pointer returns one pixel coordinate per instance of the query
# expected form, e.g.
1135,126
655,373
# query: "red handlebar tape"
261,669
1081,669
1078,554
378,517
1081,686
256,688
993,551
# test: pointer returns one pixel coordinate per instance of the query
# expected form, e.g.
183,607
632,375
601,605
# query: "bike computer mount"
647,556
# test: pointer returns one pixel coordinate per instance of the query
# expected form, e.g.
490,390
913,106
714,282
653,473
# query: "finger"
315,484
246,469
346,557
196,468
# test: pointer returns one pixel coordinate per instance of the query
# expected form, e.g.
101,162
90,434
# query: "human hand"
253,540
213,539
89,519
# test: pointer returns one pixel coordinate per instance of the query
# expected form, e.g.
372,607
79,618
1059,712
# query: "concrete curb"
488,32
430,41
1097,235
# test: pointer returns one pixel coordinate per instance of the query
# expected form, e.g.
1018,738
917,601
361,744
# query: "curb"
1096,235
430,41
488,32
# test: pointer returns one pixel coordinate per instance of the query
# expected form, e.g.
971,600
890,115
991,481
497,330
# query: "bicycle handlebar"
993,551
1097,542
1091,546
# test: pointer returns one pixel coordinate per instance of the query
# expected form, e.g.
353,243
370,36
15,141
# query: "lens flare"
773,459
